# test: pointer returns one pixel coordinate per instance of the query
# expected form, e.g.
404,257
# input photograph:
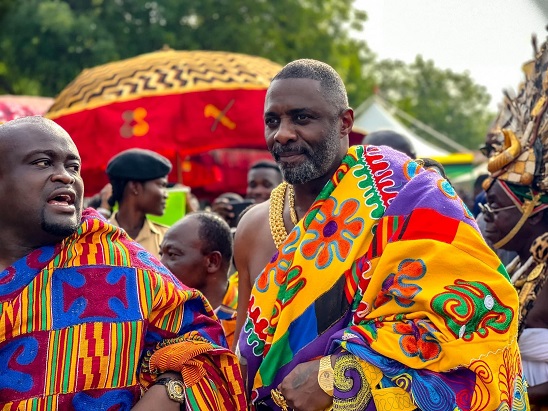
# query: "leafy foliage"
56,39
448,102
44,44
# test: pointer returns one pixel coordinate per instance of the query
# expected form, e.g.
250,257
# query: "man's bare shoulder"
253,232
255,217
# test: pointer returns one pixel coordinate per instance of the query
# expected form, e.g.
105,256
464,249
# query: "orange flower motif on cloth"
284,256
400,286
332,232
418,340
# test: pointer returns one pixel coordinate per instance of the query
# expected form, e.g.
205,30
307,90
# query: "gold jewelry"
279,399
175,389
276,212
325,375
292,211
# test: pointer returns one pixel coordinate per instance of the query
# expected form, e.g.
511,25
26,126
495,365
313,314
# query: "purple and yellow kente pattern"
78,321
388,265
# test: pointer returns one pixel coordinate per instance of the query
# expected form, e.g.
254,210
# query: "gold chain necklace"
276,212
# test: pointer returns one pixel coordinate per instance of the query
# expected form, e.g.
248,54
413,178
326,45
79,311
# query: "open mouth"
62,199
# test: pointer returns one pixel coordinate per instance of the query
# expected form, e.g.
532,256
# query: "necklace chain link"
276,212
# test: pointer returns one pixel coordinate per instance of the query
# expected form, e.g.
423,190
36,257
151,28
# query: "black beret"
138,164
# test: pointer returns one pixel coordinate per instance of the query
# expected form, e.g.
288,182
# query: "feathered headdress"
517,142
519,137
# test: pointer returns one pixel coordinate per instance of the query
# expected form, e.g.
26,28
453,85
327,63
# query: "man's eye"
74,167
270,122
42,163
302,118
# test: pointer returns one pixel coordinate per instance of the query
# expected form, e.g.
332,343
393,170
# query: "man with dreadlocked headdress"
516,212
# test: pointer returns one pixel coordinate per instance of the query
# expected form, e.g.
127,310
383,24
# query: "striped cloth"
80,320
228,309
388,265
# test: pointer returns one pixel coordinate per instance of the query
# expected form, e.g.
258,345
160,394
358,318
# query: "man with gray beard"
311,159
351,303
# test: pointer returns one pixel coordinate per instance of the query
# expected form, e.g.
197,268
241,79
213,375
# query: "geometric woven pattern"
73,336
163,72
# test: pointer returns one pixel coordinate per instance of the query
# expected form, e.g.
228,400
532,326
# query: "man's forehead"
183,228
496,191
297,93
32,136
289,84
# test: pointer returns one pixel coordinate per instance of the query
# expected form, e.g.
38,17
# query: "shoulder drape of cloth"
389,266
87,323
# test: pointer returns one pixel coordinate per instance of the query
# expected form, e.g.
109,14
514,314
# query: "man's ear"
214,261
347,121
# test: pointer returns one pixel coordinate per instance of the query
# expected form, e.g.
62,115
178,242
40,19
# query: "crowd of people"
348,278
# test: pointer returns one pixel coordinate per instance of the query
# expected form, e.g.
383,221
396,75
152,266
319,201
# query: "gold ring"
279,399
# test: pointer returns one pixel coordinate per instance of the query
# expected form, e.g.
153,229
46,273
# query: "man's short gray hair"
332,86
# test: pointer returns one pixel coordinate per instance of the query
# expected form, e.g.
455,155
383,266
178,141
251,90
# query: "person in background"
192,203
89,320
262,177
378,289
222,206
391,139
100,201
516,213
139,187
198,251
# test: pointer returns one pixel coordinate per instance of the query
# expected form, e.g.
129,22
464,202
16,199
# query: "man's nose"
488,216
286,132
63,175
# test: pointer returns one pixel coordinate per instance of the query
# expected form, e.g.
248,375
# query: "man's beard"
57,229
318,160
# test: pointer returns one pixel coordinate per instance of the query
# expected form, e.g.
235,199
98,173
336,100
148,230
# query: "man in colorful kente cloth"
89,320
383,296
516,214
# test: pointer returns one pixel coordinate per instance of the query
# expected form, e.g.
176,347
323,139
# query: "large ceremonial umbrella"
177,103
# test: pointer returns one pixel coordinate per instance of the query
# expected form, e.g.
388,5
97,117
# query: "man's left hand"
301,389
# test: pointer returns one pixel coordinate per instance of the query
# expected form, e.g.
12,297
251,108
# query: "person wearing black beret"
139,181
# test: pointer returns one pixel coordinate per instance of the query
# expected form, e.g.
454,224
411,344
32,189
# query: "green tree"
44,44
448,102
56,39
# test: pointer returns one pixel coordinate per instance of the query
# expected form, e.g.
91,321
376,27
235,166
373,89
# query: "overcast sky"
489,38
